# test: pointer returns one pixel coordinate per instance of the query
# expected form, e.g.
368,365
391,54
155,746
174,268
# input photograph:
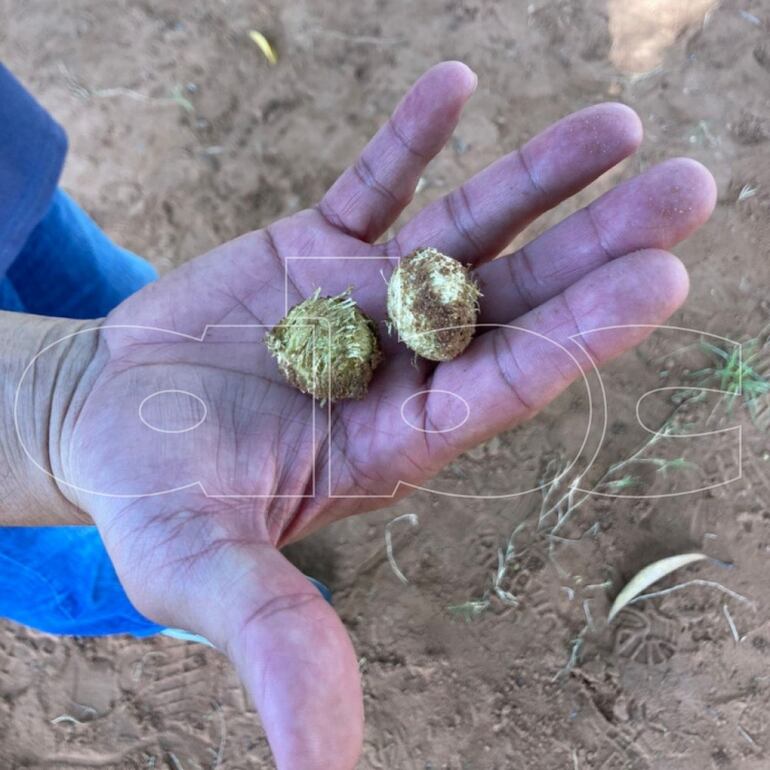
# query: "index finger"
370,194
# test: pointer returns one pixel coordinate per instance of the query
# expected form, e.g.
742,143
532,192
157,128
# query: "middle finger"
477,220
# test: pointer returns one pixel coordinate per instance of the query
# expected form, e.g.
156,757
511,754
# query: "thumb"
295,657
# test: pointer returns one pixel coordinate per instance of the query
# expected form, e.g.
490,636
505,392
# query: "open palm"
198,461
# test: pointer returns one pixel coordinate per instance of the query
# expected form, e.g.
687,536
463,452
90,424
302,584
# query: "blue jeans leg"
71,269
60,579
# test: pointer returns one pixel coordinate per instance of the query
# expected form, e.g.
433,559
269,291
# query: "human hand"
254,475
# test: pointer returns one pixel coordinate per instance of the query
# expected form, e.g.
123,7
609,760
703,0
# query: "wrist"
46,364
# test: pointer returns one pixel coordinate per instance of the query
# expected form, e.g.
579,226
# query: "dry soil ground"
183,136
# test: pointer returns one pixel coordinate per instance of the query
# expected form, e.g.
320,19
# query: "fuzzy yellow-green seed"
433,304
327,347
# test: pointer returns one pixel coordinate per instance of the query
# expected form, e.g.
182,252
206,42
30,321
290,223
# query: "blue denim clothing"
71,269
60,579
32,150
56,261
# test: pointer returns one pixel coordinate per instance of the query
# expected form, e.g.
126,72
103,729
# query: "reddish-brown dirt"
182,136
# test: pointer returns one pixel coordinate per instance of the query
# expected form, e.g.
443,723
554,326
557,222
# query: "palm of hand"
204,557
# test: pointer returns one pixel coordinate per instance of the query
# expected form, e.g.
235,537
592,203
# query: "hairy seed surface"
433,304
326,347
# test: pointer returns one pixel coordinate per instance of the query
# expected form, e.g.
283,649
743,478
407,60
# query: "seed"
326,347
433,304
